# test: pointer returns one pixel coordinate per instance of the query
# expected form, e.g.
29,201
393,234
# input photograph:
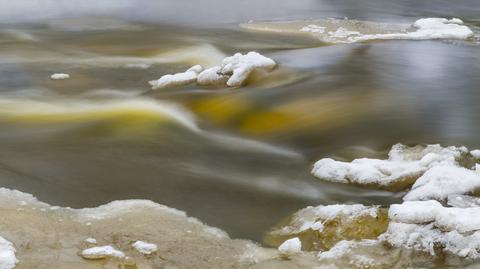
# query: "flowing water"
238,159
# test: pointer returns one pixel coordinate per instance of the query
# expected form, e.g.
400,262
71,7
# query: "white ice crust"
102,253
59,76
145,247
233,71
7,254
291,246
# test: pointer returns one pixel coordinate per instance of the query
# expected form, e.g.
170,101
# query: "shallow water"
238,159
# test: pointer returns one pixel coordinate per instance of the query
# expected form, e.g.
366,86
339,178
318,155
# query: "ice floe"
403,167
232,72
8,259
59,76
145,247
91,240
102,252
350,31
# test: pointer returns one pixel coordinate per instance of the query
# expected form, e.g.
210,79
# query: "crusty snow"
404,163
233,71
441,181
144,247
291,246
7,254
178,79
59,76
102,252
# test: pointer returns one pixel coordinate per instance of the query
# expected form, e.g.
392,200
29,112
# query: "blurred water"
239,159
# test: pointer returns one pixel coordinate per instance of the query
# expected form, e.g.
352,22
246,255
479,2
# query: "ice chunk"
7,254
212,76
178,79
239,66
441,181
291,246
59,76
102,253
321,227
403,167
144,247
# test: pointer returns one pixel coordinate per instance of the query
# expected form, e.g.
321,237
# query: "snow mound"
233,72
7,254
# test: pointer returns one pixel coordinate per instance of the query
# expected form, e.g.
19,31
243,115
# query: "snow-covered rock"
211,77
144,247
239,66
102,253
321,227
233,71
441,181
178,79
428,226
403,167
7,254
